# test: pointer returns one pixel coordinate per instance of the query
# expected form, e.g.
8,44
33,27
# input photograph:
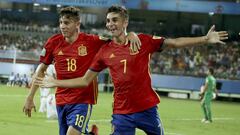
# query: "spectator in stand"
24,80
11,79
17,80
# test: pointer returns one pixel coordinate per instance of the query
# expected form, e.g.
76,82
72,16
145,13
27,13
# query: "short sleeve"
99,41
152,43
46,55
206,81
98,63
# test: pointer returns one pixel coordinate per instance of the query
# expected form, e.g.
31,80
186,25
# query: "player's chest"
121,56
78,50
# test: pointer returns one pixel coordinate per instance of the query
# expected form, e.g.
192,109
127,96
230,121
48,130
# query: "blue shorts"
75,115
148,121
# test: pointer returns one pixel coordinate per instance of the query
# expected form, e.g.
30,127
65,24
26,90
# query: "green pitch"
179,117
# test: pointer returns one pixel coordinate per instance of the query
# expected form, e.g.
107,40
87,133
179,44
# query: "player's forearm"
71,83
189,41
34,88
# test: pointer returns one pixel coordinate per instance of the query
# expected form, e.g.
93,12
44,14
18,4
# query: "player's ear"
79,23
125,23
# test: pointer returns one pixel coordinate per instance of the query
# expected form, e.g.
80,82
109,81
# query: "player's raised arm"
212,37
29,104
49,82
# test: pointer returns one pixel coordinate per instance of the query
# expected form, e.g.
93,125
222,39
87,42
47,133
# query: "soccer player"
207,92
72,53
135,102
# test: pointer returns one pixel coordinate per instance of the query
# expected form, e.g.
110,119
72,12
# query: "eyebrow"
113,18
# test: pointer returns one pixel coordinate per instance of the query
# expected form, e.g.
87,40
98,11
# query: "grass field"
179,117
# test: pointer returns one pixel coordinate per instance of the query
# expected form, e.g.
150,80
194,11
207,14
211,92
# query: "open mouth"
113,30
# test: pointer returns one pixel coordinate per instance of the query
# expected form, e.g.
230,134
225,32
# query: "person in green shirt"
207,94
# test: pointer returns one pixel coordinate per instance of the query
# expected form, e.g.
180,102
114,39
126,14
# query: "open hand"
46,82
216,37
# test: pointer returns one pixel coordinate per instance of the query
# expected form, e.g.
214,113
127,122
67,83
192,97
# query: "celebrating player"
135,102
72,52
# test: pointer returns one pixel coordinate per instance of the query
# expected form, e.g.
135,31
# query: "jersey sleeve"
207,80
98,63
46,55
99,41
153,43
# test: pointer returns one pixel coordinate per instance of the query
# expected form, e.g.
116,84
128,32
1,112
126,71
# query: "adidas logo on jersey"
112,56
60,53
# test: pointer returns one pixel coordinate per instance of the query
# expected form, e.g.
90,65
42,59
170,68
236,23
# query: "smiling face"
69,22
68,26
116,24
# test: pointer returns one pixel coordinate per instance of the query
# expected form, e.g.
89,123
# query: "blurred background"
25,26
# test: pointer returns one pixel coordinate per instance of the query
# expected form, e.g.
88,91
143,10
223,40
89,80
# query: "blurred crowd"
18,80
193,61
21,42
28,26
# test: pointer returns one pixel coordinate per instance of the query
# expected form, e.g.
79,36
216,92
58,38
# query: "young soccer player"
207,92
72,52
135,102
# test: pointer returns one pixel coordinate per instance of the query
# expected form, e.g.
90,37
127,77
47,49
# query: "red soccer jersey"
130,74
71,61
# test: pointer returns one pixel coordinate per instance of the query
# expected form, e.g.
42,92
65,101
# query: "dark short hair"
211,70
120,10
70,12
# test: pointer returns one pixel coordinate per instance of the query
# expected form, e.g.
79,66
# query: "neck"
121,39
73,38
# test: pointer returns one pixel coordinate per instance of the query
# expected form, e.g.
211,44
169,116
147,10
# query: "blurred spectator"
11,80
17,80
24,81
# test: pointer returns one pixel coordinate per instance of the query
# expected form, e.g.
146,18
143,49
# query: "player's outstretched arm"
212,37
29,103
49,82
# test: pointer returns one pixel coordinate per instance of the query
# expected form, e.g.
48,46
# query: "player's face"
116,24
68,26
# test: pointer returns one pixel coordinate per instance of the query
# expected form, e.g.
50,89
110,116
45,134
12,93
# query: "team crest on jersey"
132,52
43,53
82,50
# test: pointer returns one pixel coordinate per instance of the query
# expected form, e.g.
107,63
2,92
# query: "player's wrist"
205,39
30,97
55,83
